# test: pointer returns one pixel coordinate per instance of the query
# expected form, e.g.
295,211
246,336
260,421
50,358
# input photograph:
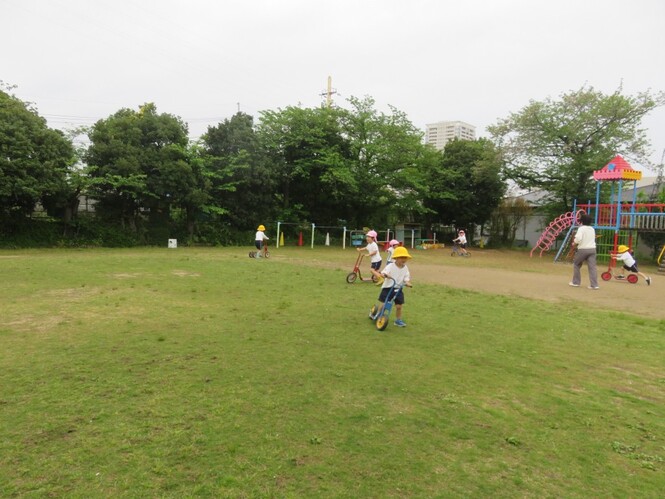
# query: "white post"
327,238
413,238
313,225
277,241
344,239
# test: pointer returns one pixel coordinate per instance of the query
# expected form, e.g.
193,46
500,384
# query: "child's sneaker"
379,281
400,323
648,279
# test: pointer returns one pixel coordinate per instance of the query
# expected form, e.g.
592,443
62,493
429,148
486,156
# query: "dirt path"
515,273
541,279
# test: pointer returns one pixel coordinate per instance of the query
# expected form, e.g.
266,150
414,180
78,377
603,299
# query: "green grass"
201,372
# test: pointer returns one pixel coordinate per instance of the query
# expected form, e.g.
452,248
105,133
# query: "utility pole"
329,93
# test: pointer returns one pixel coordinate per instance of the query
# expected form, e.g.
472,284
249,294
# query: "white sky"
470,60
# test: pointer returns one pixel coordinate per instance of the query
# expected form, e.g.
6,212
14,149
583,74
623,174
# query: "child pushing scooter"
624,256
396,275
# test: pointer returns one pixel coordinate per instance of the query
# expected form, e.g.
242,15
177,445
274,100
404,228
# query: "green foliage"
556,145
34,159
138,162
466,185
241,184
505,221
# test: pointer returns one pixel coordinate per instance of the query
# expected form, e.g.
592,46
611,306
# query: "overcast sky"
470,60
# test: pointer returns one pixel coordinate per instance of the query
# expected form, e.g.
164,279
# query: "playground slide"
552,231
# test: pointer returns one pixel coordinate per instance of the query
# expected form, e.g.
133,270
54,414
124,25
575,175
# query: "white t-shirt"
626,258
401,275
374,248
585,237
461,239
260,236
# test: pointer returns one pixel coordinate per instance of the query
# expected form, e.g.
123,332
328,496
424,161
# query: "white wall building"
439,134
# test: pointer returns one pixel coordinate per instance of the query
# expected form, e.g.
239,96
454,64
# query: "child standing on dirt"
461,241
396,273
624,256
373,251
259,241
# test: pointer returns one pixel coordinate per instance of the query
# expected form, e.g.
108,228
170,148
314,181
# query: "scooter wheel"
632,278
606,276
267,254
252,254
351,278
382,323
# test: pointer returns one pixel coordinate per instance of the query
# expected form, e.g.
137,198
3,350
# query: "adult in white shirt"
585,246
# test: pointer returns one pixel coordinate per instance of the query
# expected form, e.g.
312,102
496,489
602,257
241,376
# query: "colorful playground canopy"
617,169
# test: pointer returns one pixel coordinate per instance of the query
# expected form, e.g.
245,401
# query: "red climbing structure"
556,227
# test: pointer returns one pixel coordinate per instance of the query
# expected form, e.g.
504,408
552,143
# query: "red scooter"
356,274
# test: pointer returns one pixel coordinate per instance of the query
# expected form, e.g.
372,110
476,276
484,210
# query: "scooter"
458,251
609,274
356,274
264,252
381,315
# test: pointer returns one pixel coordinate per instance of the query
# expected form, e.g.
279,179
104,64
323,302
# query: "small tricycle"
381,315
609,274
356,274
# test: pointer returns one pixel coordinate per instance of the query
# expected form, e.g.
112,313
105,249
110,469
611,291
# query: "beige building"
439,134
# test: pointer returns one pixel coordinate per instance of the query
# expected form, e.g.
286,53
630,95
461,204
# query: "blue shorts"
399,299
376,265
258,244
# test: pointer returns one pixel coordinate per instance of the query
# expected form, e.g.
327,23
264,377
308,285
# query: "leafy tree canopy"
557,144
34,159
466,185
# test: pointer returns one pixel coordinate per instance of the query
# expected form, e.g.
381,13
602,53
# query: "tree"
34,159
506,219
309,157
242,186
138,162
466,186
556,145
388,161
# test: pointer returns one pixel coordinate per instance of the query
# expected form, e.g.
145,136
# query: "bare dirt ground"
542,279
516,273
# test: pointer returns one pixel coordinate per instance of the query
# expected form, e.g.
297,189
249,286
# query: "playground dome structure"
616,222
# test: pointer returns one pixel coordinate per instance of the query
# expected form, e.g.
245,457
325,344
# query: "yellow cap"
261,227
401,252
622,248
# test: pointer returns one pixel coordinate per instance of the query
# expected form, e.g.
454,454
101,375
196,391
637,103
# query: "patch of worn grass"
185,372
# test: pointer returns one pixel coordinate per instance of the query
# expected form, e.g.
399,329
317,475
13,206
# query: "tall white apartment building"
439,134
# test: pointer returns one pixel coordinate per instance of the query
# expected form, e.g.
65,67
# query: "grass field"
201,372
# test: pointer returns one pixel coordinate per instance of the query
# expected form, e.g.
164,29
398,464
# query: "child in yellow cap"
261,241
395,273
624,256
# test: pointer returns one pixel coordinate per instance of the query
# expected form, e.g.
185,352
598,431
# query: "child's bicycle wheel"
632,278
606,276
252,254
351,278
267,254
382,322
